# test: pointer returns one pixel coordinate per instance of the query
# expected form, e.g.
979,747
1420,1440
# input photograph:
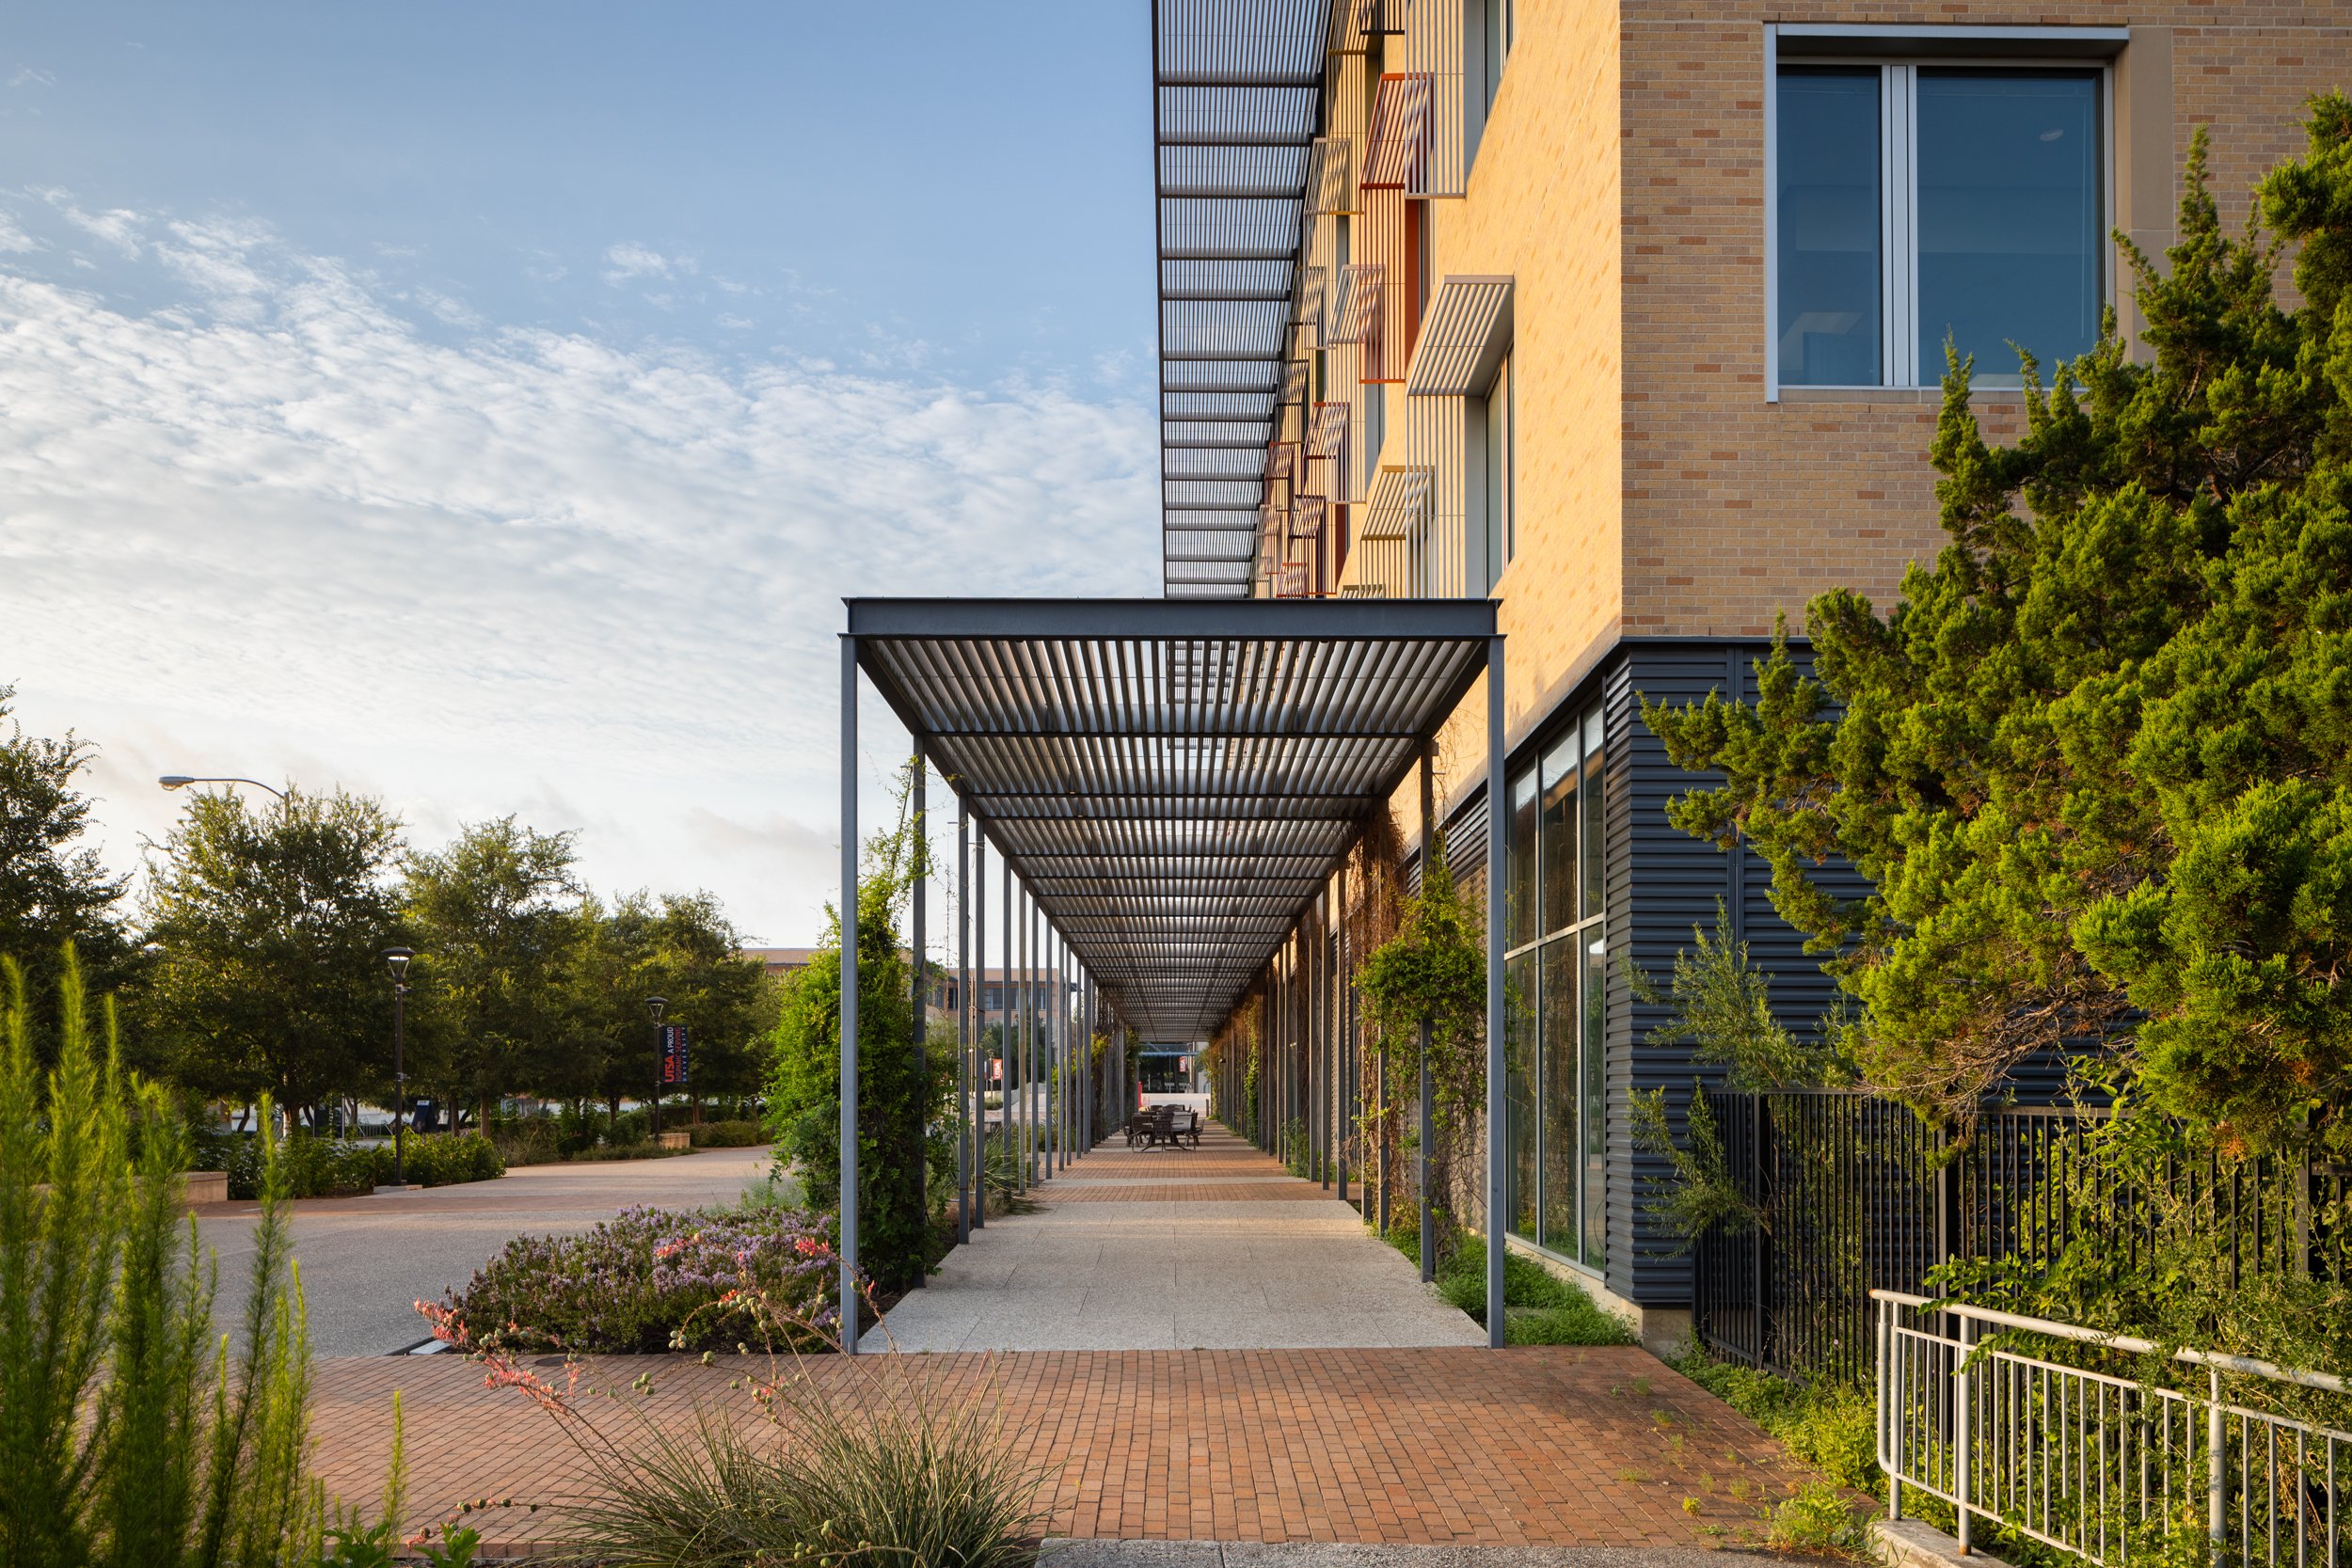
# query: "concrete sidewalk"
1212,1248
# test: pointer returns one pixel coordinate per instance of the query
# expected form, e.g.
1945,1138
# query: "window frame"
2072,50
1586,725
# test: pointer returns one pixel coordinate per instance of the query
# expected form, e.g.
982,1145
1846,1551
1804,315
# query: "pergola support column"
963,1020
1498,825
848,995
917,937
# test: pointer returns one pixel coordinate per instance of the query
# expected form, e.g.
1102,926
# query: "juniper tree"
2095,764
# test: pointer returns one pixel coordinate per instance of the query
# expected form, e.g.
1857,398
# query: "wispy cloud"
275,521
627,260
33,76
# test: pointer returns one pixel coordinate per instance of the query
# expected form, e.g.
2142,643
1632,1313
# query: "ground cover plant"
649,1279
1539,1306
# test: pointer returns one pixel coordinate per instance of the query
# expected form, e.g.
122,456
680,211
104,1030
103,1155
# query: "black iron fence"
1850,1193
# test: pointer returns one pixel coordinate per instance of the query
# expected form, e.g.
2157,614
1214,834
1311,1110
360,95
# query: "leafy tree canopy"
53,887
2096,763
272,927
491,916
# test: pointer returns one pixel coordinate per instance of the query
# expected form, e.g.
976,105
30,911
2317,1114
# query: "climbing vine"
1432,970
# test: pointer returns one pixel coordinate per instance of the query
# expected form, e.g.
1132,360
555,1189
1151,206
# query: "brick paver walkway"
1420,1435
1521,1447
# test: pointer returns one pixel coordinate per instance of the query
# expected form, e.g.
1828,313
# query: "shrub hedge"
728,1134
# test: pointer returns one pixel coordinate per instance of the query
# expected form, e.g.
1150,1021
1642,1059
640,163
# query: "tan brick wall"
1622,185
1734,507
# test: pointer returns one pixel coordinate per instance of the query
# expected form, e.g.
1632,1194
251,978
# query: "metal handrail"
2126,1343
2086,1462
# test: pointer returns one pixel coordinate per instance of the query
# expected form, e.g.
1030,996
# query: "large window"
1486,43
1918,204
1554,978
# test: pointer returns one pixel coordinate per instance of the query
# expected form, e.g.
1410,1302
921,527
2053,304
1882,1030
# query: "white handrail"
2126,1343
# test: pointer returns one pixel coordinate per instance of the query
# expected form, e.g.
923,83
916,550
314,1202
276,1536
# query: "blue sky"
486,405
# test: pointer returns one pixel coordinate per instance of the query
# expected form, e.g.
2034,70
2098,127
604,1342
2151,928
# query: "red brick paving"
1521,1447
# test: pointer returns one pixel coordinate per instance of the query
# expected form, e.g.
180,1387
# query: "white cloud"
32,76
275,528
629,260
13,240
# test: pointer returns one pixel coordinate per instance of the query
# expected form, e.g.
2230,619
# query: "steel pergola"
1171,781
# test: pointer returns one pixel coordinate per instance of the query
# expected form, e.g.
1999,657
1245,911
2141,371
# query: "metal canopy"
1172,778
1237,103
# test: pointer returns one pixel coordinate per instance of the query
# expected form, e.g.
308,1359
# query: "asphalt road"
366,1261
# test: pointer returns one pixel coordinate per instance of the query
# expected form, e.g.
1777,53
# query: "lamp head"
654,1006
398,957
175,781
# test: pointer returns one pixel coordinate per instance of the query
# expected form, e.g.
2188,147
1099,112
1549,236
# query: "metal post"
2216,1477
963,1019
400,1081
917,936
979,1031
1428,1092
1960,1436
1498,825
1342,1038
1018,1115
1891,1406
1004,1032
848,995
1324,1039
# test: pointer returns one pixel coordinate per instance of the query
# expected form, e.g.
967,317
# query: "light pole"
654,1006
397,957
181,780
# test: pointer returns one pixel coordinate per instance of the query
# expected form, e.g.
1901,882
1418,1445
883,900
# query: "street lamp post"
397,957
654,1006
181,780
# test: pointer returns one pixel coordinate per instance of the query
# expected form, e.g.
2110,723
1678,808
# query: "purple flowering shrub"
652,1279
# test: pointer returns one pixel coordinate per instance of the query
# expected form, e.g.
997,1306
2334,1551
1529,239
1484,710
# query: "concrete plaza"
366,1261
1208,1248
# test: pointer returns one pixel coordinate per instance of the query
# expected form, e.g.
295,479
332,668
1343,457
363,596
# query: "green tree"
713,990
902,1111
53,889
273,927
492,917
2095,765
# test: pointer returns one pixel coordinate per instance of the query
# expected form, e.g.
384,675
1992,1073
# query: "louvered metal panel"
1238,103
1400,502
1174,792
1463,336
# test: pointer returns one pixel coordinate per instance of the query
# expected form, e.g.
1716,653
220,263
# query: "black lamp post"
398,958
654,1006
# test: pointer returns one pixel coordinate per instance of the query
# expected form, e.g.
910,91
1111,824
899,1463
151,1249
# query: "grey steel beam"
979,1031
937,620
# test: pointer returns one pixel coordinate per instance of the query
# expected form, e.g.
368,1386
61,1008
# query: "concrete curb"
1909,1543
1063,1552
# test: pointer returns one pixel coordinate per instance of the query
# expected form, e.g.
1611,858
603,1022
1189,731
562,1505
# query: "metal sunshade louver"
1237,91
1173,779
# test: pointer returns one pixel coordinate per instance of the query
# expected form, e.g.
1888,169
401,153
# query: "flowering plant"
652,1279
